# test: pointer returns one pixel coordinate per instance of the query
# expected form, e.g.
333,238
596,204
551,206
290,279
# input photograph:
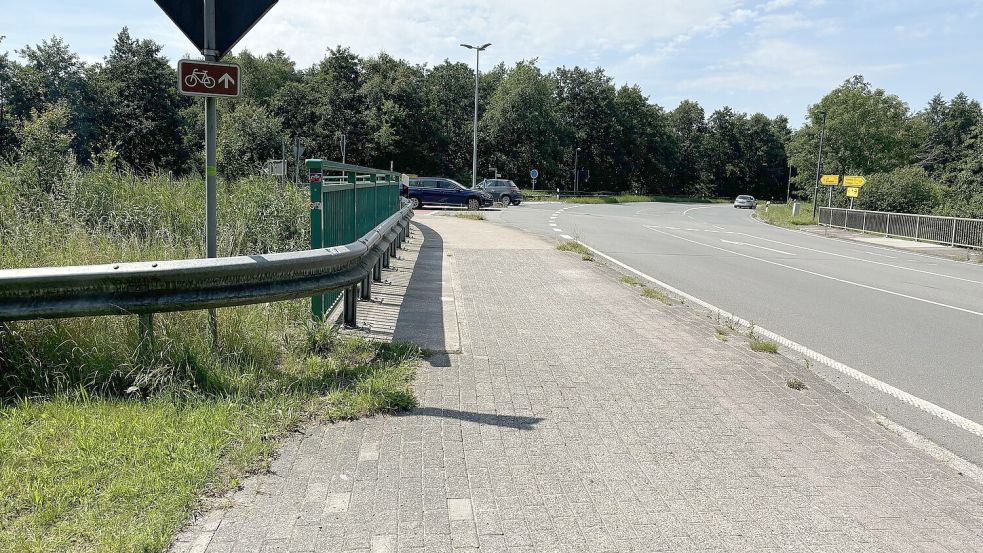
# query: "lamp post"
819,166
576,172
477,62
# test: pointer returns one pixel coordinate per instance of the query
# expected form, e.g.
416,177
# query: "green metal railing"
347,201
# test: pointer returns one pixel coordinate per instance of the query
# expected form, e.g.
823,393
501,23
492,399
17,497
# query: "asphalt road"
912,321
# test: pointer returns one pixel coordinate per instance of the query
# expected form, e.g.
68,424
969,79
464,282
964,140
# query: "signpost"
854,182
534,174
214,27
830,180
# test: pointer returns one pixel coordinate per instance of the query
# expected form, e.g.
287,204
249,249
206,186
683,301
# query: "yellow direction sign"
852,192
855,182
830,180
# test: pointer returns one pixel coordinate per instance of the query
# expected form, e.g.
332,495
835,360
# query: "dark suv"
432,190
502,190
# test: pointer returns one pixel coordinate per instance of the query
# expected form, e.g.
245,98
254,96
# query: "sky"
768,56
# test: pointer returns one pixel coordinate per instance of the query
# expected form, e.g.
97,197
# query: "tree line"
125,111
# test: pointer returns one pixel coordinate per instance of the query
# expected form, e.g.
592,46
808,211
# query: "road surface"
911,321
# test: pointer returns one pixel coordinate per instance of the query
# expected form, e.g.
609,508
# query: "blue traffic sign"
534,174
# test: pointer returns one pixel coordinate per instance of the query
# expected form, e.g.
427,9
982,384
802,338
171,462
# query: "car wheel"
416,203
473,204
506,200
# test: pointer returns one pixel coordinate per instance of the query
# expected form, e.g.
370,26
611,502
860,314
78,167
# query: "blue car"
437,191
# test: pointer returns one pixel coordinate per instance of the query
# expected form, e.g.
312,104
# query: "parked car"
745,202
502,190
438,191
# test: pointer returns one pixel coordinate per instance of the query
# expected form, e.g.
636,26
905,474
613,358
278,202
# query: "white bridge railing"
948,231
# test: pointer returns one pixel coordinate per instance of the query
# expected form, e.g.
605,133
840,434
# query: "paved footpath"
579,416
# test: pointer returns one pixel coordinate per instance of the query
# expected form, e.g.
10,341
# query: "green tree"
449,109
263,76
144,122
395,124
588,109
647,148
250,137
46,147
689,176
522,127
947,128
868,132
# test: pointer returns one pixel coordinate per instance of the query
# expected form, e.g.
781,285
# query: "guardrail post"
351,309
385,259
316,169
147,331
377,270
367,288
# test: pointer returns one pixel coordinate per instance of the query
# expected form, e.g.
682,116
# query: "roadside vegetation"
107,444
539,196
470,216
781,215
578,248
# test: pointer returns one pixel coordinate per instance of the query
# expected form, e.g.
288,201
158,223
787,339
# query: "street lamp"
477,61
819,166
576,173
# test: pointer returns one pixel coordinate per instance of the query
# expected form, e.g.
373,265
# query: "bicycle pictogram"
199,76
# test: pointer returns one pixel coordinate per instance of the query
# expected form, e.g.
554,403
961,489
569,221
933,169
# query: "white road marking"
686,213
871,261
552,224
557,230
880,255
566,237
829,277
754,246
930,408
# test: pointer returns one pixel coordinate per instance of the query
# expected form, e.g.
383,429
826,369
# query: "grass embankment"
106,444
540,196
781,215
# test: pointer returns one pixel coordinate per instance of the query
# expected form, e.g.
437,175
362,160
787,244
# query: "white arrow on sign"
755,246
227,81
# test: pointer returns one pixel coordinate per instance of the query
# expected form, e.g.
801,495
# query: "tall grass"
106,442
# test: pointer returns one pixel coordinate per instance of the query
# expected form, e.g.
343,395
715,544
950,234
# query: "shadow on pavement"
421,319
505,421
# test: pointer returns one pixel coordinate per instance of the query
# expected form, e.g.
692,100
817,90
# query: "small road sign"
830,180
852,192
200,78
534,174
855,182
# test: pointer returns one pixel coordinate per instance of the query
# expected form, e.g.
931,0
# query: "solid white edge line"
948,416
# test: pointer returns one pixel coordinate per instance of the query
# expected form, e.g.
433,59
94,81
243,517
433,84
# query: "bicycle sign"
199,78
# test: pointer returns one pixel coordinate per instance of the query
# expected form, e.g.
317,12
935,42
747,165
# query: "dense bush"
905,190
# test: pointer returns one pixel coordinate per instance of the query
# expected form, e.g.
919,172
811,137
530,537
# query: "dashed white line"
567,237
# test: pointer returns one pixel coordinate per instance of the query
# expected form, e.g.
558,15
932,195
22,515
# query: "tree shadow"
491,419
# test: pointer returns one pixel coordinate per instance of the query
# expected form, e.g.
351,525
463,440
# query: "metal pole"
788,194
367,287
211,171
819,168
576,173
147,330
377,270
351,308
474,171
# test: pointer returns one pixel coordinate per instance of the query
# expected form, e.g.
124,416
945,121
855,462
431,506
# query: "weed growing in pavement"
796,384
723,331
760,345
577,247
630,281
653,294
471,216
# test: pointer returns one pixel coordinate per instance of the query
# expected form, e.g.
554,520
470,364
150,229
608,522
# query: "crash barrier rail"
145,288
948,231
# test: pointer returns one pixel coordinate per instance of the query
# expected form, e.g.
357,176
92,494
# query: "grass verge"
762,346
577,247
540,196
470,216
653,294
781,215
114,459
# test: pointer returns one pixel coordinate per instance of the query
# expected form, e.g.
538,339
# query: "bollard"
350,306
377,270
367,288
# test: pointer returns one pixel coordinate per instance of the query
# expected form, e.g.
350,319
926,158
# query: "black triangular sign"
233,19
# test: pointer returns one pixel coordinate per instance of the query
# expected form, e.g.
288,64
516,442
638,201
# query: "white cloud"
430,30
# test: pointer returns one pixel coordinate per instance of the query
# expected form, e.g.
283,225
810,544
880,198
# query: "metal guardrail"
145,288
948,231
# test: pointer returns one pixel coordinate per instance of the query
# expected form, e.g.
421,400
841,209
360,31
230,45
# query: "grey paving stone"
578,417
